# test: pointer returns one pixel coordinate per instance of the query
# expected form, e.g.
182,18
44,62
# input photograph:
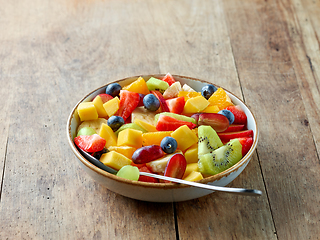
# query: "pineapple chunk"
154,138
112,106
190,167
130,137
185,137
87,111
115,160
148,127
195,105
194,176
138,86
124,150
97,101
191,154
107,133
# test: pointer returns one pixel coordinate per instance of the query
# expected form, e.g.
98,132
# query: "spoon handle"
240,191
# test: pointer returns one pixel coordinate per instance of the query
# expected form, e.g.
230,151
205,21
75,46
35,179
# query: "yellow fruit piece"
124,150
130,137
188,95
115,160
190,167
194,176
107,133
220,98
144,115
87,111
159,165
211,109
195,105
147,126
112,106
154,138
184,137
97,101
95,124
138,86
191,154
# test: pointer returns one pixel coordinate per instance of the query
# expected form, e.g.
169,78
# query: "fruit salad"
163,127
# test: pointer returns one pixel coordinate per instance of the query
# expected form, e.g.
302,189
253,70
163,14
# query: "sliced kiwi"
221,159
176,116
157,84
132,126
208,140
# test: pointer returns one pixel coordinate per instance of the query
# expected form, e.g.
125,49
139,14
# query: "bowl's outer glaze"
159,192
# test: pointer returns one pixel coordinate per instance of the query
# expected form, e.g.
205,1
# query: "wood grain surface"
52,53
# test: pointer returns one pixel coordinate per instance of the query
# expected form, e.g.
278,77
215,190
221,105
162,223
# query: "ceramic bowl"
159,192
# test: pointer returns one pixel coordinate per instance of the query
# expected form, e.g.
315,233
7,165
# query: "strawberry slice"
166,123
92,143
163,104
235,128
176,105
176,166
105,97
169,79
128,102
239,115
227,136
246,143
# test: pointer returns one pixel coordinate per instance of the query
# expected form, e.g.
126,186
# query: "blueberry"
151,102
228,114
169,145
113,89
115,122
208,90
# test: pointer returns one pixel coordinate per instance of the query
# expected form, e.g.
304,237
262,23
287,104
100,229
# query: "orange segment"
138,86
188,95
221,99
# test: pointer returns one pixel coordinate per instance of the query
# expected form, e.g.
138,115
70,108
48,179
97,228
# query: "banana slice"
172,91
95,124
187,88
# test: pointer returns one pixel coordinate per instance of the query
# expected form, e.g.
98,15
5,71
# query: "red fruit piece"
227,136
176,166
141,100
92,143
128,102
147,154
239,115
163,104
105,97
146,178
217,121
246,143
176,105
169,79
235,128
166,123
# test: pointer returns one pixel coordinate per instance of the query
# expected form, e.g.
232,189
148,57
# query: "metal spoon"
240,191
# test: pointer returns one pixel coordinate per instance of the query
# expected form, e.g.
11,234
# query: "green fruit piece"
221,159
176,116
129,172
132,126
86,131
156,84
208,140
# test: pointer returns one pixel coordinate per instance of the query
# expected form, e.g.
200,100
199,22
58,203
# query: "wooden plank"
287,152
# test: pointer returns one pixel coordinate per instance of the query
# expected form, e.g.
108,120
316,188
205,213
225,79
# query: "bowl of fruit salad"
163,124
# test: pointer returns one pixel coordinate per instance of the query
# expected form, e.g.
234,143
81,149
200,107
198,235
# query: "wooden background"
53,52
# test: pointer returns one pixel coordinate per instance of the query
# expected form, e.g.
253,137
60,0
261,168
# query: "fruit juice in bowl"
177,122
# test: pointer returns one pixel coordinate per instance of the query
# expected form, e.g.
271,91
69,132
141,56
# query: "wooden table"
54,52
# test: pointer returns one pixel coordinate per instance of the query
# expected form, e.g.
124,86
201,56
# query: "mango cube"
193,176
211,109
107,133
112,106
124,150
130,137
185,137
138,86
190,168
87,111
154,138
98,103
115,160
196,104
147,126
191,154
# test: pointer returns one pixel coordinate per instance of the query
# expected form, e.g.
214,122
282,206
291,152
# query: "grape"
86,131
129,172
147,154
